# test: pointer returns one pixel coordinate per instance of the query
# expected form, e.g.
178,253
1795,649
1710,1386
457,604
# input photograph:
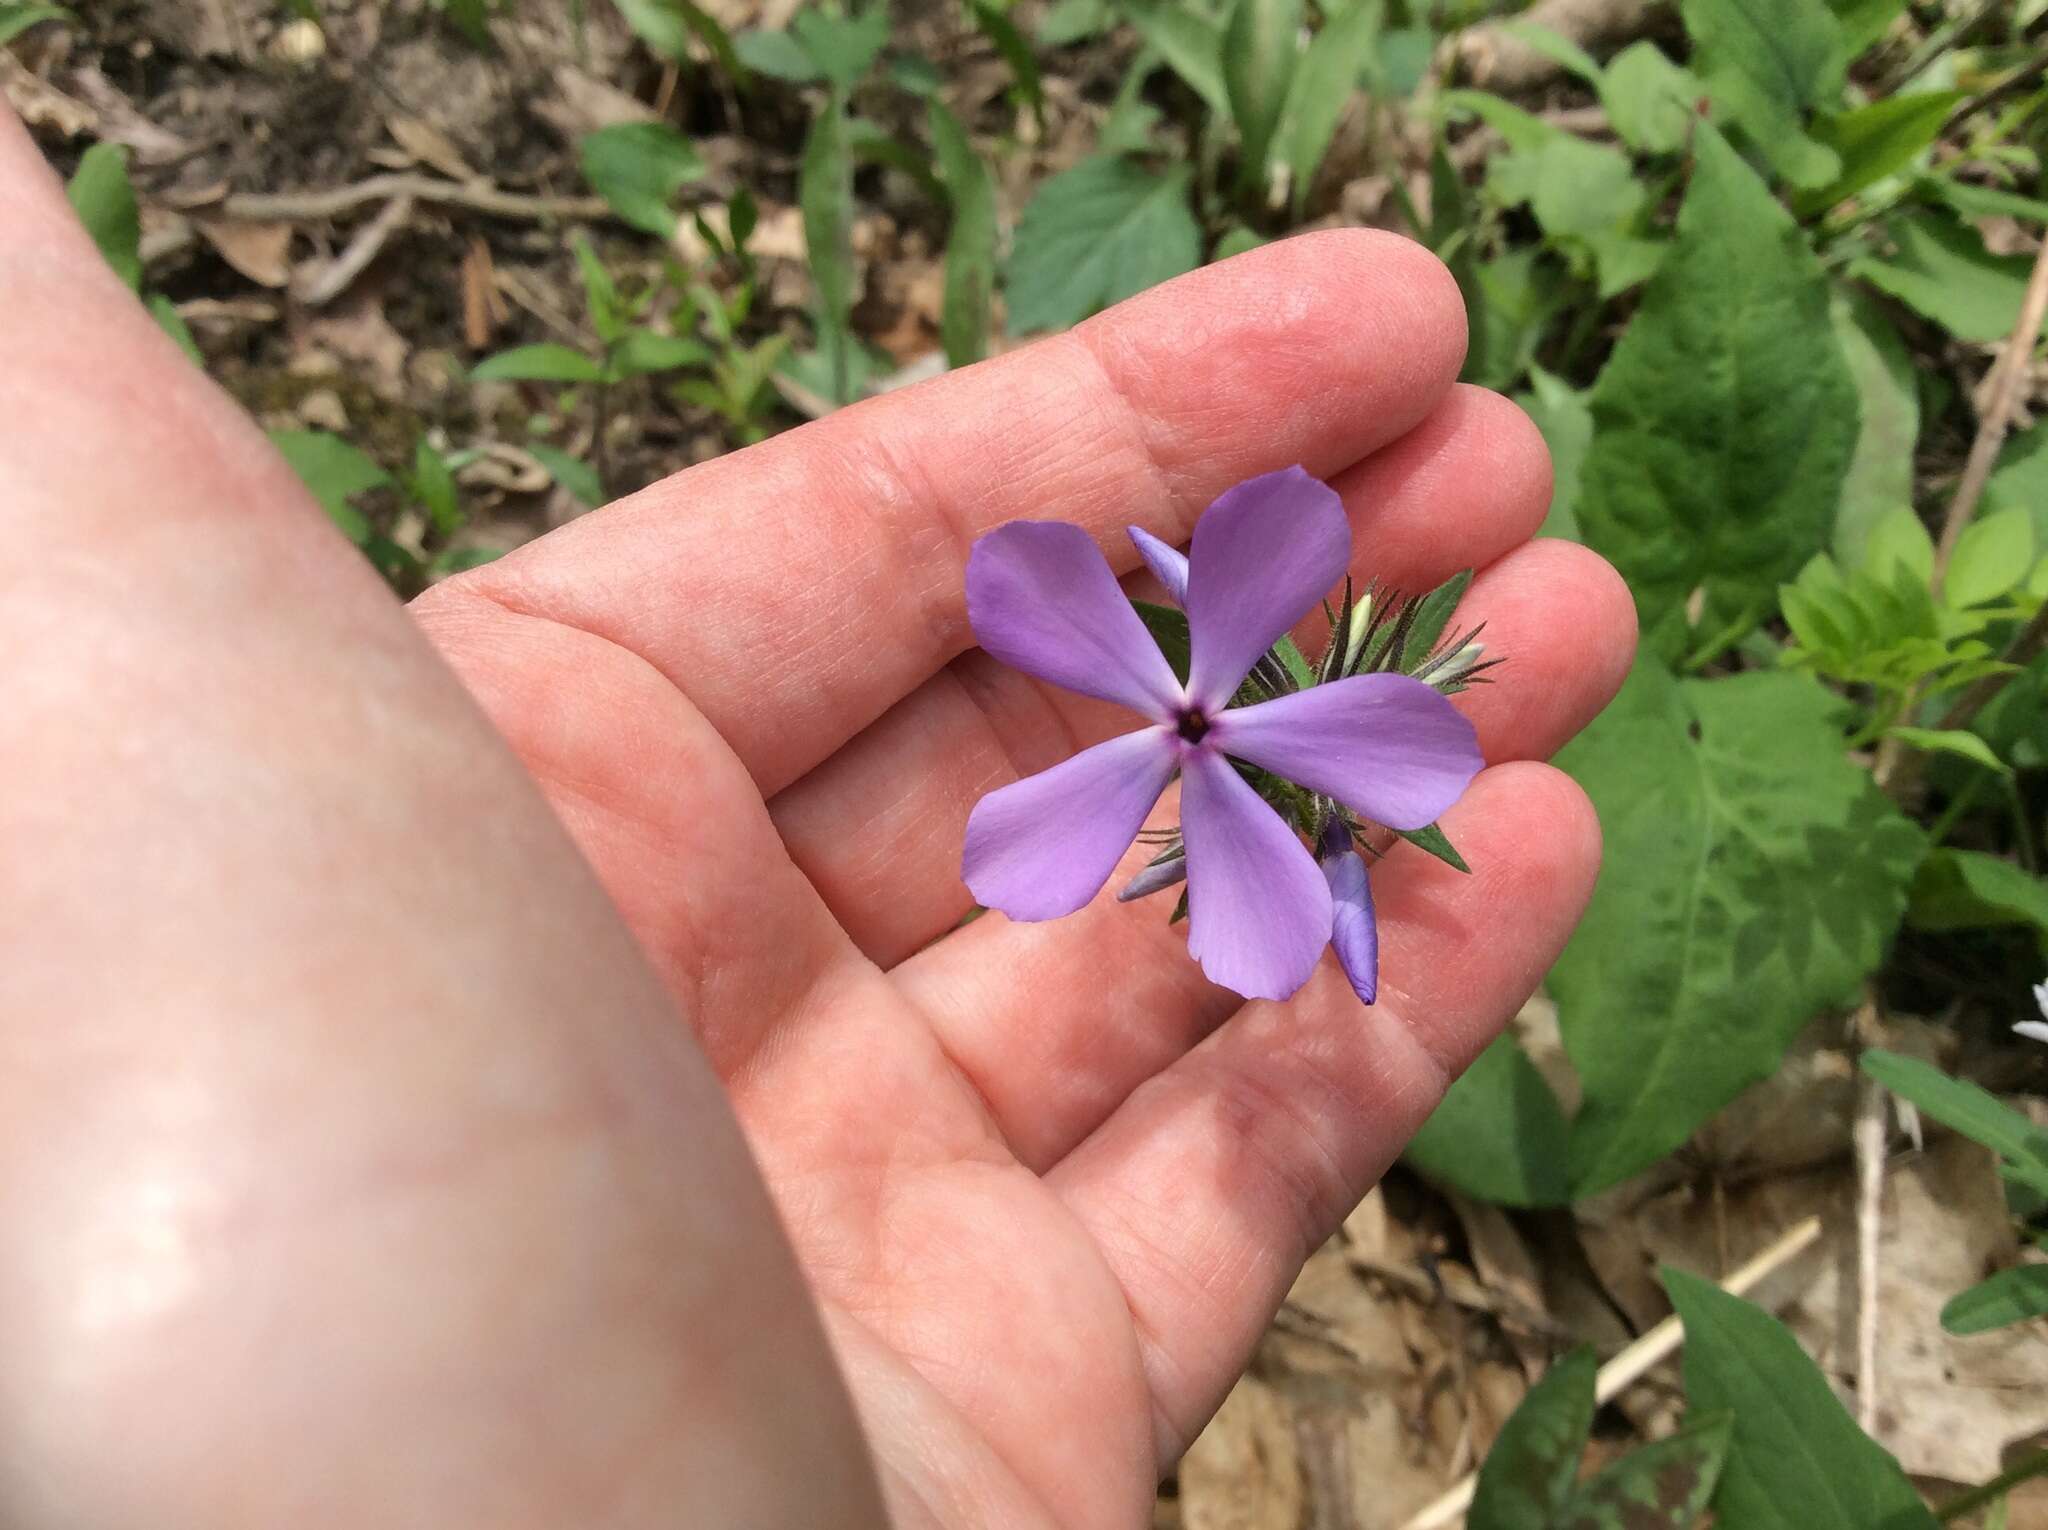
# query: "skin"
505,1063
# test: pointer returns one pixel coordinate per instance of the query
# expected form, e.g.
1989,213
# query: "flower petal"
1354,933
1258,907
1042,600
1168,564
1262,556
1043,846
2033,1030
1387,747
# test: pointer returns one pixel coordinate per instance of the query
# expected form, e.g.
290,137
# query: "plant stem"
2026,1468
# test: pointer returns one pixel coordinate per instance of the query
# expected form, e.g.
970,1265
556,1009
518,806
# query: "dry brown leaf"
40,104
1244,1471
357,331
260,251
483,310
428,145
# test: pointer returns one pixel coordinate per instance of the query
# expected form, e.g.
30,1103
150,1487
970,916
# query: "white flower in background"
2036,1029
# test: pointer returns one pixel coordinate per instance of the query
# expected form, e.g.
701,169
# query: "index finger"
794,591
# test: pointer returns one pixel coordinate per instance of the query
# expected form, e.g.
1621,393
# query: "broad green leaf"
1752,877
1561,413
1016,52
638,167
1323,85
1724,421
1879,481
970,242
1798,1461
825,195
1991,557
1863,22
1556,47
572,473
1952,741
843,47
105,204
432,483
1877,140
2010,1296
1235,241
1432,840
1963,1107
334,472
2020,481
666,26
1511,302
1767,66
1402,59
547,362
172,323
1260,48
1498,1135
1095,235
777,55
1169,629
1971,890
1651,101
1898,540
1525,1478
1191,44
643,352
1665,1485
16,19
1073,21
1941,269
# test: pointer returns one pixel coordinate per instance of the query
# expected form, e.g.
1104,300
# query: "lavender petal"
1387,747
1042,600
1168,564
1043,846
1354,933
1262,556
1259,909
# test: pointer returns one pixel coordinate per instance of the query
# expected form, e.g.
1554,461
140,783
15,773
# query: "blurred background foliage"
1767,276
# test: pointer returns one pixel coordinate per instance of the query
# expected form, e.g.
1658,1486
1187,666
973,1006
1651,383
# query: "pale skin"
504,1063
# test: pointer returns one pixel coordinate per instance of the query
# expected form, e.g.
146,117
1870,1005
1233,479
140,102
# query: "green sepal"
1438,844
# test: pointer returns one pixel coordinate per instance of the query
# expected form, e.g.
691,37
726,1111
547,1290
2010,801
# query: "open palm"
1045,1195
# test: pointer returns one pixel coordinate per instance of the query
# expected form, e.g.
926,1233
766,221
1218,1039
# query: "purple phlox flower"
1386,747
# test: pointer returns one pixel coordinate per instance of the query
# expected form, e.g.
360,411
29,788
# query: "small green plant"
17,16
410,553
104,200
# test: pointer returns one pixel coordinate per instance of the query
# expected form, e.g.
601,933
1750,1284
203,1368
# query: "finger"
1213,1182
1056,1023
878,827
796,590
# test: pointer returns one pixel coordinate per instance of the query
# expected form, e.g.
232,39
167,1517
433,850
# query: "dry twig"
420,188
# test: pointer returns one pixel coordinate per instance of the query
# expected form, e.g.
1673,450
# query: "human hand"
354,1168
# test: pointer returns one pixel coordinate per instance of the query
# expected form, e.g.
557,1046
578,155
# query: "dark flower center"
1194,726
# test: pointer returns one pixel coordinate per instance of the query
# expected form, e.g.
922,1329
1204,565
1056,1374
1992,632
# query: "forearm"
353,1166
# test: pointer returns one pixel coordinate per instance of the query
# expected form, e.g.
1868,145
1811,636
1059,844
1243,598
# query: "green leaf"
1724,421
1974,201
333,471
1899,540
1433,840
1952,741
1073,21
843,47
600,293
1323,86
1016,52
547,362
1664,1485
1965,1108
1970,890
2010,1296
1798,1461
1512,301
1556,47
1433,614
1879,480
825,194
638,167
643,352
667,25
1298,668
1259,55
1875,141
1529,1472
1235,241
1941,269
433,484
777,55
16,19
1095,235
1402,59
1191,44
964,320
1650,101
1562,415
1863,22
1753,876
105,204
1498,1135
2020,481
1169,629
1766,66
572,473
1991,557
172,323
